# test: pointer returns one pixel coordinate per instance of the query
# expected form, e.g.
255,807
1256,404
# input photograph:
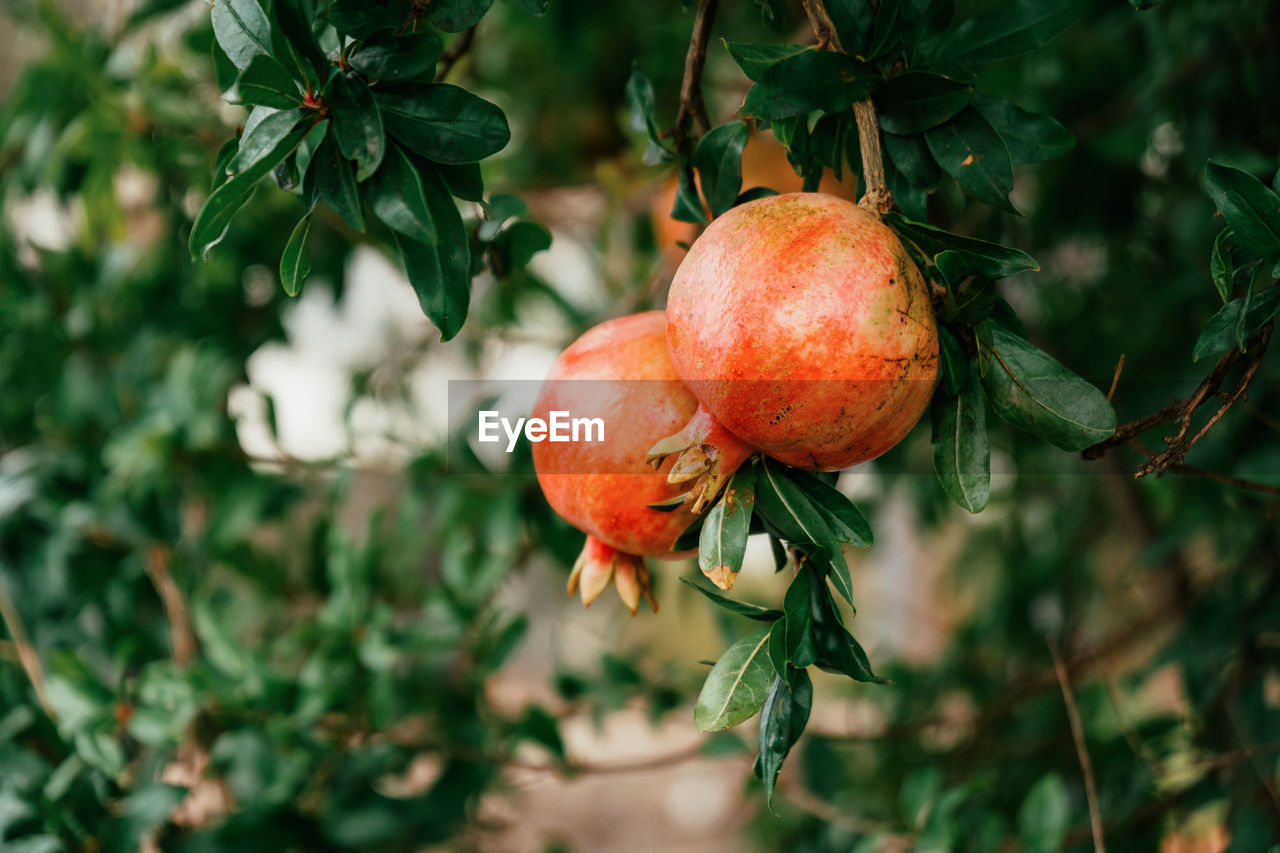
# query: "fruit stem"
877,198
706,453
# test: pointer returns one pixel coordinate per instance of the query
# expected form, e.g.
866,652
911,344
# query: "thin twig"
692,107
1077,735
461,45
175,604
1115,379
26,653
877,198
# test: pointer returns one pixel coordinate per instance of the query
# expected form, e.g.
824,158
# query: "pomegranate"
804,329
604,487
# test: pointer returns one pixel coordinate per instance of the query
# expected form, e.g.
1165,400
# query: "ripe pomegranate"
604,488
804,329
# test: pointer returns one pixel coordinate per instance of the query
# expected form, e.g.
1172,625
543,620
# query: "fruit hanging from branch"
620,372
804,329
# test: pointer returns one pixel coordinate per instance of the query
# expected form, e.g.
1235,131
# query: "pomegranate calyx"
600,563
706,453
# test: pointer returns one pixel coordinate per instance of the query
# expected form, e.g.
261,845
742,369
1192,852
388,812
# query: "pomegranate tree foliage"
192,615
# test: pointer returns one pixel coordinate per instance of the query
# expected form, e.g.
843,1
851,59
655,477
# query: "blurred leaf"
330,179
737,685
521,241
813,80
454,16
541,727
443,122
1030,137
723,541
1221,267
1045,814
357,124
915,101
718,159
1239,318
968,149
1009,29
782,721
755,59
242,30
961,455
265,81
361,18
385,56
536,8
687,207
733,605
1250,207
1037,394
294,266
644,118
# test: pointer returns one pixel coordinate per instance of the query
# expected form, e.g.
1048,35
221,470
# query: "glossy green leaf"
813,80
989,260
396,195
796,605
1250,207
915,101
454,16
294,44
242,30
910,199
463,180
922,19
790,510
968,149
220,207
953,365
361,18
1008,29
737,685
910,156
386,56
442,122
441,272
687,206
1221,266
782,720
1029,137
776,647
1037,394
331,179
262,137
837,650
1238,319
718,159
755,59
724,533
961,454
294,266
734,605
265,81
845,520
1045,815
886,33
853,22
357,124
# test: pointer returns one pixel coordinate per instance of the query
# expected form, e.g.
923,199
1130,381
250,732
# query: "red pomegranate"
620,372
803,327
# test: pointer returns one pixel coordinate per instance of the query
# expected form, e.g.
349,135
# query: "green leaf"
386,56
454,16
837,650
915,101
1008,29
536,8
989,260
242,30
1045,815
961,455
357,125
644,117
1243,316
330,179
724,533
910,156
265,81
853,21
968,149
886,32
220,207
737,685
733,605
1037,394
1029,137
293,41
396,195
846,521
718,159
791,511
294,266
813,80
263,133
360,18
782,721
687,207
953,367
520,241
755,59
1221,266
1250,207
441,272
442,122
463,180
797,605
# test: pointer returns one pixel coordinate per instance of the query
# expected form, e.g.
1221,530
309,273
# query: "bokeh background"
247,604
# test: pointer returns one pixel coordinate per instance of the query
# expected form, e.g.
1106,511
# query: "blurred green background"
245,605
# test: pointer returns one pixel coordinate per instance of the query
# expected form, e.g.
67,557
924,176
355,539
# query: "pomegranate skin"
803,327
605,488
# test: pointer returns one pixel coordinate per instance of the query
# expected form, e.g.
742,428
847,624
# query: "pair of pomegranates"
796,326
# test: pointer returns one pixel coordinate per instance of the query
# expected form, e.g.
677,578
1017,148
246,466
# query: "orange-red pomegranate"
803,327
604,487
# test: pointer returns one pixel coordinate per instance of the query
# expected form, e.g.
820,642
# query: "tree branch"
1077,735
175,604
23,650
692,107
460,47
877,198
